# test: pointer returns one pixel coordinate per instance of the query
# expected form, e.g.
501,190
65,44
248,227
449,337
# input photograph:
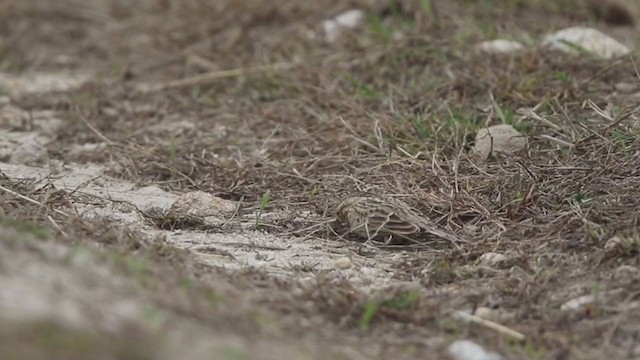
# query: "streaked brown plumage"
390,219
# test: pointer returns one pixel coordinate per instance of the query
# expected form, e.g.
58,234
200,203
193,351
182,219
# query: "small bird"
389,219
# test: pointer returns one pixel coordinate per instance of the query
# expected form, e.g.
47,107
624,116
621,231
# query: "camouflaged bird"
389,219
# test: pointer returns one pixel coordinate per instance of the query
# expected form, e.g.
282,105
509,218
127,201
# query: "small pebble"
499,46
575,304
491,259
468,350
343,263
501,138
347,20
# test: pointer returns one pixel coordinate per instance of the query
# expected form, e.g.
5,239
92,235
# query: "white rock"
577,303
202,204
468,350
347,20
499,46
343,263
591,40
498,139
491,259
613,243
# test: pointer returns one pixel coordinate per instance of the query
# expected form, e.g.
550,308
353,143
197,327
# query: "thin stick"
295,232
529,113
95,131
601,72
635,67
240,244
461,315
201,62
355,136
235,212
556,141
55,224
214,75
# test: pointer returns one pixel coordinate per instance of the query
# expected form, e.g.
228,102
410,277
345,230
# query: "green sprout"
264,202
369,312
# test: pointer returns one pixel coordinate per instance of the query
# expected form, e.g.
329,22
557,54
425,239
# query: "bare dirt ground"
171,170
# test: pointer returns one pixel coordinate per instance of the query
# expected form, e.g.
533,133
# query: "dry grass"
366,115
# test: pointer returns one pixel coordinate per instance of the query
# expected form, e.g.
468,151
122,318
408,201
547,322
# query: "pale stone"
593,41
343,263
491,259
347,20
202,204
498,139
612,243
468,350
499,46
575,304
